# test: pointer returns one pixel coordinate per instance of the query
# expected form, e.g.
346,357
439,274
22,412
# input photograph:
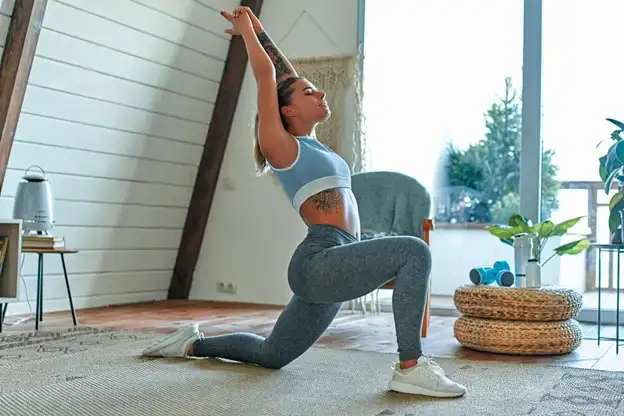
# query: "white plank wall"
116,111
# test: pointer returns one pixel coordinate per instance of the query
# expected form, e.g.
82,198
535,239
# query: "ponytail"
262,166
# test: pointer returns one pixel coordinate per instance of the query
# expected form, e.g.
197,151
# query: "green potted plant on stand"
539,234
611,167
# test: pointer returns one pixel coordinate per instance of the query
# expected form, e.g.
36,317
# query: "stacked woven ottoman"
509,320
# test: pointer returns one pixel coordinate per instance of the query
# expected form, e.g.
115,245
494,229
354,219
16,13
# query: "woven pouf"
524,321
518,304
518,337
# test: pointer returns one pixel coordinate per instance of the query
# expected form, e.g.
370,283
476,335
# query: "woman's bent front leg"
354,269
349,271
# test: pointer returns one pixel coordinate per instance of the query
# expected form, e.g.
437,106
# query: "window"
442,99
445,103
581,88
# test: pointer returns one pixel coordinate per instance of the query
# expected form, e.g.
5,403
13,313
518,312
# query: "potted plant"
539,235
611,167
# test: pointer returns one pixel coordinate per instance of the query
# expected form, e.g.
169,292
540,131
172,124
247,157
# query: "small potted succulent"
539,235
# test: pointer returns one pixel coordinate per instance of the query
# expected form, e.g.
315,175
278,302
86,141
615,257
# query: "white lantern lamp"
34,203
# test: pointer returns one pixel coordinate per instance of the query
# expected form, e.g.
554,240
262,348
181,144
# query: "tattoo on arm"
282,66
327,201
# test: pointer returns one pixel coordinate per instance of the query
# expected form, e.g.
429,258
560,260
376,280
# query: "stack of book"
42,242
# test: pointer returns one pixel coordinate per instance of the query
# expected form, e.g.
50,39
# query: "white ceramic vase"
533,274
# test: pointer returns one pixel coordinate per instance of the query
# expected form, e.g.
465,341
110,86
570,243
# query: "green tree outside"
484,179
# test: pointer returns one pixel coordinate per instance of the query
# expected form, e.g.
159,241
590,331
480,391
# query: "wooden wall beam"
210,164
15,64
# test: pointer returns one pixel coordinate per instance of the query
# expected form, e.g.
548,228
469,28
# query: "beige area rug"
88,371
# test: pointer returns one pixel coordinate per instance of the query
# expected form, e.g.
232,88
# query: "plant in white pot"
539,234
611,168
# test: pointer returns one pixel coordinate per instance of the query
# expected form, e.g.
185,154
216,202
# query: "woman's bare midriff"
337,207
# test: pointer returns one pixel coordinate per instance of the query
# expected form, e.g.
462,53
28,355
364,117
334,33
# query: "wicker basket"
521,338
517,304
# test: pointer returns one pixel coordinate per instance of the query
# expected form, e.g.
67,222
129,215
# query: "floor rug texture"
88,371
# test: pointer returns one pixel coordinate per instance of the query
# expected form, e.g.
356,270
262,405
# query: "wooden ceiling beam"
15,65
210,164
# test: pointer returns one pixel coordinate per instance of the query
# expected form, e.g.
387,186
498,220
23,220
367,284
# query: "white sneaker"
175,344
425,378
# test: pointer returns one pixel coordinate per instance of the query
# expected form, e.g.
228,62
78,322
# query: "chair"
391,203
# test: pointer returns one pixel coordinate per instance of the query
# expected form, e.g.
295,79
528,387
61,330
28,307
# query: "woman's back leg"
297,328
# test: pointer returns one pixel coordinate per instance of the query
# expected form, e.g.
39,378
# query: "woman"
331,265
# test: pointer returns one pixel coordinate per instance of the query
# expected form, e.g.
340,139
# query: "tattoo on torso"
327,202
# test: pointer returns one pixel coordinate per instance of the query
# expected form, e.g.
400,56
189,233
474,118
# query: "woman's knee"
272,360
274,364
418,251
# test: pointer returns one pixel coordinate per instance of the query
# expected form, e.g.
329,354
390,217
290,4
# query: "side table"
618,249
39,309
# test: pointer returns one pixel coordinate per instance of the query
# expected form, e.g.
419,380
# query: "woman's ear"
288,111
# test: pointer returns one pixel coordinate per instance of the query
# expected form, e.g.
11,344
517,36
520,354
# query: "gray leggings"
330,267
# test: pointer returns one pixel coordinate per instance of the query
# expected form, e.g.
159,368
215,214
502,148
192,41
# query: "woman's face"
307,103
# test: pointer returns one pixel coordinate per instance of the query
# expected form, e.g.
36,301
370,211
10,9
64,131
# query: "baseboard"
386,307
607,317
586,315
20,308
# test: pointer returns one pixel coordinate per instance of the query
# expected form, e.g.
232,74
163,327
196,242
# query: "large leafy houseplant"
611,168
540,233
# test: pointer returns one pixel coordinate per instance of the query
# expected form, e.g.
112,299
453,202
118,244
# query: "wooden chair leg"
426,316
427,226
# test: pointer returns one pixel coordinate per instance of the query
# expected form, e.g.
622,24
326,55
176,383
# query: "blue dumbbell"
500,273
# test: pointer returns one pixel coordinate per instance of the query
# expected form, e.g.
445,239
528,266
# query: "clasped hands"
241,19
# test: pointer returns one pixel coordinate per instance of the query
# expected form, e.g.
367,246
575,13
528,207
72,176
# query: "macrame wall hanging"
338,76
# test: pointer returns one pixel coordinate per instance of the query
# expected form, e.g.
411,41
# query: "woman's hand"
240,20
238,13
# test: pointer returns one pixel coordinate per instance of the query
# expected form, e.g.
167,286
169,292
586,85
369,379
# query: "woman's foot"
425,378
176,344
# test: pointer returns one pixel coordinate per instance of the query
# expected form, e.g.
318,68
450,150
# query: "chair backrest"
390,203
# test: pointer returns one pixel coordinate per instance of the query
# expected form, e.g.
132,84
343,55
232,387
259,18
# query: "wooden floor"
349,330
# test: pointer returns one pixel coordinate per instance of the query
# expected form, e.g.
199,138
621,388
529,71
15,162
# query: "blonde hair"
262,166
284,95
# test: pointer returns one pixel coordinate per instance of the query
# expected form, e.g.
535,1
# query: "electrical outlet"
227,287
